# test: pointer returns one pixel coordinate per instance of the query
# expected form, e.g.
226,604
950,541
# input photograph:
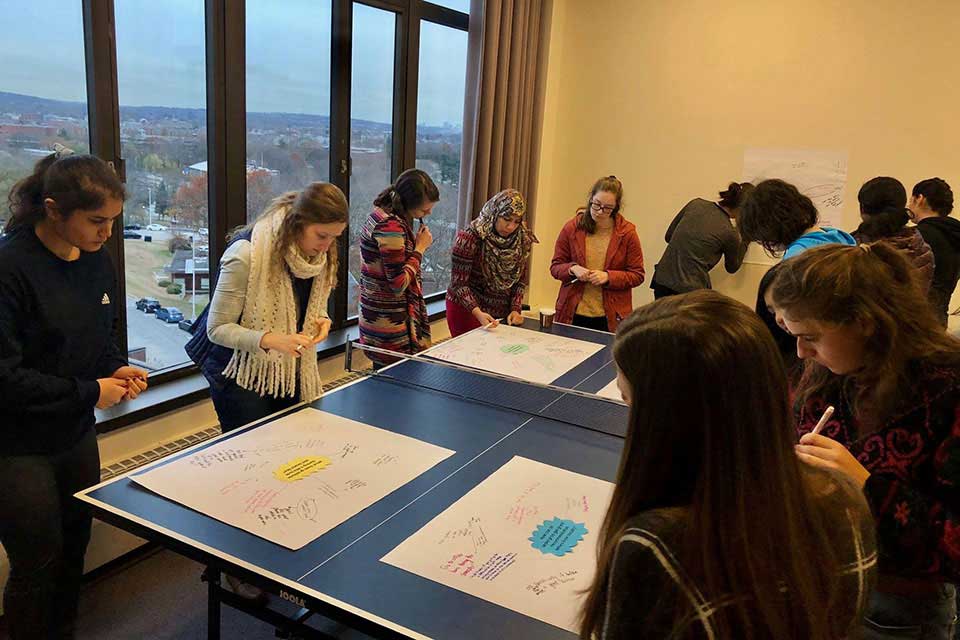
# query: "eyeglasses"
596,206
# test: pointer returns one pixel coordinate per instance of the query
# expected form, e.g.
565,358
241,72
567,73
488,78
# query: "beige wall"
668,94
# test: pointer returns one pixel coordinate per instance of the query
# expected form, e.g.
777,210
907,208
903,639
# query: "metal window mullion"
103,118
226,123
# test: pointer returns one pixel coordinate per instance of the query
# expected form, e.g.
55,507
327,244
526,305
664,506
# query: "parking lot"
163,342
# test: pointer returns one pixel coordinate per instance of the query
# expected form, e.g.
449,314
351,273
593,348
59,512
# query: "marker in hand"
314,337
823,420
491,325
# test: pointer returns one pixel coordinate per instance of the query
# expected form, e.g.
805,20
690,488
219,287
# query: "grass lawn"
142,260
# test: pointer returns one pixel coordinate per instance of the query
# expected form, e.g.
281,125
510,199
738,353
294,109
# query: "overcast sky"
160,56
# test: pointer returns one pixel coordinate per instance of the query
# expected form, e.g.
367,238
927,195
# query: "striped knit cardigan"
393,314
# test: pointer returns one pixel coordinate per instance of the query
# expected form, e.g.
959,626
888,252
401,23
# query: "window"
442,77
371,125
43,92
278,82
161,75
459,5
288,97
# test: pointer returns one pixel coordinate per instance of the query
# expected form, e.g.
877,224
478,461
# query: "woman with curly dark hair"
782,220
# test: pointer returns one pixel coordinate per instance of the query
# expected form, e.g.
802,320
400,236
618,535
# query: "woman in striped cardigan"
393,314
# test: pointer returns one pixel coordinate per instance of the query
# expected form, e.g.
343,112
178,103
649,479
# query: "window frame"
225,45
405,94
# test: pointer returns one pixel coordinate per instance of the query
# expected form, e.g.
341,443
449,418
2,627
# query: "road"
163,342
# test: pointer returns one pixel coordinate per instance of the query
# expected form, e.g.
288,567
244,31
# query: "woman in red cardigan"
598,259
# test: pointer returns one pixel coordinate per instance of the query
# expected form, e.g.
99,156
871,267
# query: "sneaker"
245,590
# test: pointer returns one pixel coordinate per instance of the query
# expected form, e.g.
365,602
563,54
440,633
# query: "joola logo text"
292,598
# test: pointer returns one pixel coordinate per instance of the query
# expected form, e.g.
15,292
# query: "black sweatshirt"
57,337
943,235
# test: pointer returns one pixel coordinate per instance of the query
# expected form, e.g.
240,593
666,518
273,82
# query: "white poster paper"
611,391
821,175
293,479
525,538
517,352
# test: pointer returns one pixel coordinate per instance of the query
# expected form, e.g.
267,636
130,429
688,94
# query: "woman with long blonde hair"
255,341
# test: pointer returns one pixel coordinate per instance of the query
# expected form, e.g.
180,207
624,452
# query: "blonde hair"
317,203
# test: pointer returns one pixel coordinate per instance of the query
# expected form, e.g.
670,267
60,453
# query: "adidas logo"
105,299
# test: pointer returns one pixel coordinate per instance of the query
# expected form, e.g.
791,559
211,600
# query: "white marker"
823,420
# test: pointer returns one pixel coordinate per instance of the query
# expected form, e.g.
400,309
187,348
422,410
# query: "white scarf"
272,306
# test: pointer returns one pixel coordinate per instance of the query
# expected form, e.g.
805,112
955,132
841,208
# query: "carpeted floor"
161,597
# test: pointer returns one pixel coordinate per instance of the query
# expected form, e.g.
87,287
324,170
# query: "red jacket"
624,265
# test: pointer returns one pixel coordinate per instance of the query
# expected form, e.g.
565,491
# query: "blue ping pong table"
485,419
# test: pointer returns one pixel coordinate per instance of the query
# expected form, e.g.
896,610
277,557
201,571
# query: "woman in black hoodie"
930,205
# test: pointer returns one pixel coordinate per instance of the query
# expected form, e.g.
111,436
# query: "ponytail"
413,189
75,182
734,195
883,202
884,224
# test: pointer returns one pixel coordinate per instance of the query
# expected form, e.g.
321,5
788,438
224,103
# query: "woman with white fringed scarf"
255,341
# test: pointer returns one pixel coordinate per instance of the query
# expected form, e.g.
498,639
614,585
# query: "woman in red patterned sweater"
490,266
876,353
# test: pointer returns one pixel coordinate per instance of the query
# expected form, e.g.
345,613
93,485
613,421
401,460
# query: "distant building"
181,272
197,169
200,168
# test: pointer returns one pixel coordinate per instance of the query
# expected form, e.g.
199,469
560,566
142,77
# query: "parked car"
203,231
169,314
132,227
186,325
148,305
131,235
156,227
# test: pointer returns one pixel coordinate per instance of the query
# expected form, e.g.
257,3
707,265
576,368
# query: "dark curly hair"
938,193
775,214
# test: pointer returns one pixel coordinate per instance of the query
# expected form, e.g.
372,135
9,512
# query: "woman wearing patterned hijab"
490,265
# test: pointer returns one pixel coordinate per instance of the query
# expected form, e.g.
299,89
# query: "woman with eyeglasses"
598,260
393,314
490,266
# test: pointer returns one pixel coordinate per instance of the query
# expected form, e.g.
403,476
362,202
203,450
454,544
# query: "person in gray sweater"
696,239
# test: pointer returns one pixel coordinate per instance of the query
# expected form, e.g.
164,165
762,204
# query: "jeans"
893,617
236,406
45,531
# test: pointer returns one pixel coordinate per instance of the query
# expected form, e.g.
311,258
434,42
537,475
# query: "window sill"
185,390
